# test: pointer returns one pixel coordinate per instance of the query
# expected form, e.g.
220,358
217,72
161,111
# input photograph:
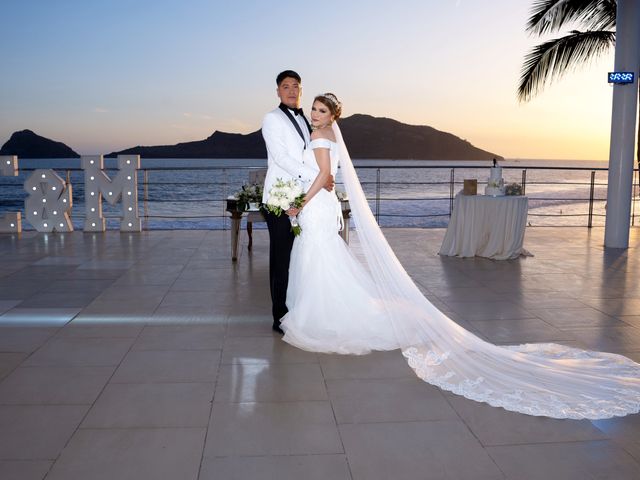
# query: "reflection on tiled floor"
150,356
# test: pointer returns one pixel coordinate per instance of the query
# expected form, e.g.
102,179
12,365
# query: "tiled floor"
150,356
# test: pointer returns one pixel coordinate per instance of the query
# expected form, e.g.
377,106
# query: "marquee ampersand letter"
48,206
124,186
10,222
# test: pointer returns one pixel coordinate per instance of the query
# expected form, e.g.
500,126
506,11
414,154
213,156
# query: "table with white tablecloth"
486,226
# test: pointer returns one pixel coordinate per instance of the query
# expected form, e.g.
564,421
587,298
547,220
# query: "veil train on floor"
537,379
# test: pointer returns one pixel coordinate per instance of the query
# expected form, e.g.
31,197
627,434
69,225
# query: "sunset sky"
106,75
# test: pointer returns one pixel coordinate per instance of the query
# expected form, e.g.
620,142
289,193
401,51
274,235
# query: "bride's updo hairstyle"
330,101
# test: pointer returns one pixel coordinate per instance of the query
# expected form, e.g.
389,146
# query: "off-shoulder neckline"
322,138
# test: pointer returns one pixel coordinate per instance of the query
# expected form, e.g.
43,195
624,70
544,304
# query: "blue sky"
106,75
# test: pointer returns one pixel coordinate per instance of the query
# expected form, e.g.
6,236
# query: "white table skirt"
486,226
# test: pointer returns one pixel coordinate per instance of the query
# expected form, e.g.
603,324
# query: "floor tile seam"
550,442
66,443
296,455
210,416
37,459
268,362
6,374
86,414
271,402
119,382
620,443
48,364
335,418
174,349
372,378
170,286
161,383
403,422
93,337
51,337
621,319
125,429
177,350
449,399
4,403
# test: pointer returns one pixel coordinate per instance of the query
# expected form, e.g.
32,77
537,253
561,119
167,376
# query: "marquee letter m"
124,186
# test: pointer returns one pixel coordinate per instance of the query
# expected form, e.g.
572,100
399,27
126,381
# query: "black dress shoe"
276,328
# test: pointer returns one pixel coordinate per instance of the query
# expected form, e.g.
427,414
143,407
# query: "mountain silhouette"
384,138
27,144
218,145
366,137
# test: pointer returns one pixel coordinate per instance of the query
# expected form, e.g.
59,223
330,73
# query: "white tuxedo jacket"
284,152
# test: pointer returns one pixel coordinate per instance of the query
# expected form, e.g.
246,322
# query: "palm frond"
551,60
551,15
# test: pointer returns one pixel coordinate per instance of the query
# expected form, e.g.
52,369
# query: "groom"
286,133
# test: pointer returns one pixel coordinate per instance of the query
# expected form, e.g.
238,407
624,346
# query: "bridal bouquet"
513,189
284,195
250,195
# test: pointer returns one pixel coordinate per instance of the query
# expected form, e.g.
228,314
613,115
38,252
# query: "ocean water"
191,193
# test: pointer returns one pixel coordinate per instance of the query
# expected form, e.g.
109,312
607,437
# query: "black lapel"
286,111
307,122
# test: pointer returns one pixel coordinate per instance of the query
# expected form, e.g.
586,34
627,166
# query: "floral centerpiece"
513,189
250,197
284,195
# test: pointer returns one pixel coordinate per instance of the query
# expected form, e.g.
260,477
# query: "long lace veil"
537,379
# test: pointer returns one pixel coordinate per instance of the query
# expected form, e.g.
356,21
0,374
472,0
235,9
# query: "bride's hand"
330,184
292,212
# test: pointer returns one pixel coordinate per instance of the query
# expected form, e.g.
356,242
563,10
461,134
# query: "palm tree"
552,59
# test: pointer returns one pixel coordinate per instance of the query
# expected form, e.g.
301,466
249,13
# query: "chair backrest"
257,176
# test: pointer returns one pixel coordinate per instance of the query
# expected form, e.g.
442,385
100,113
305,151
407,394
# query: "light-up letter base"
49,203
10,222
124,186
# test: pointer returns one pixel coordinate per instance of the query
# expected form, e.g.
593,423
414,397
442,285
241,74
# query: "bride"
342,303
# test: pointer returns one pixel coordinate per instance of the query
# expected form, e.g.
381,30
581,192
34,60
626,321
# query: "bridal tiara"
333,99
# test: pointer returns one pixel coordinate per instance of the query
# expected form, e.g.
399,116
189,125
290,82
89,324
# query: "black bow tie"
297,111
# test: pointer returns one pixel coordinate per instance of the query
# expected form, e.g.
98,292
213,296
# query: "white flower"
284,204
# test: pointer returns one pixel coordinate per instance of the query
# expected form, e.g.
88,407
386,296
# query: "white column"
623,126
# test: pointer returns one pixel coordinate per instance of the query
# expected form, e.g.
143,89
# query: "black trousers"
280,244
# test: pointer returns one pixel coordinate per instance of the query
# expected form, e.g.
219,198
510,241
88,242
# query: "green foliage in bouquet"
513,189
283,196
250,193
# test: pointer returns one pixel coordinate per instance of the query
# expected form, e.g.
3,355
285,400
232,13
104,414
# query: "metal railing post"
225,194
378,196
633,199
452,178
591,194
524,181
145,197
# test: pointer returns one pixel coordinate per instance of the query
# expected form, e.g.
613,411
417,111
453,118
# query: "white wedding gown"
342,304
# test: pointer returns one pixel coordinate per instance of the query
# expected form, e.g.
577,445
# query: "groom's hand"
330,184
